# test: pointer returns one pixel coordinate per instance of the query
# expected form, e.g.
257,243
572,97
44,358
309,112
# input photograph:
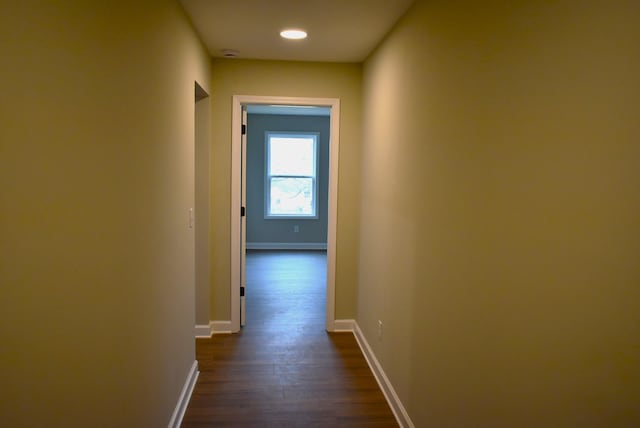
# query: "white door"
243,220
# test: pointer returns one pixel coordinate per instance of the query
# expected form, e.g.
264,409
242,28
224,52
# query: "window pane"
291,196
291,156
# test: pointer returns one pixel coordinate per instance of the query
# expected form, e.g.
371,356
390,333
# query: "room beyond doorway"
287,177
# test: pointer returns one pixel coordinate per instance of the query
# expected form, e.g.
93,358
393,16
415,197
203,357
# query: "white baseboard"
203,330
286,245
221,327
185,396
385,385
343,325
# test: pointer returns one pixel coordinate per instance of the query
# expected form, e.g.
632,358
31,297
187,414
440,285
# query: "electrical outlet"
296,228
379,330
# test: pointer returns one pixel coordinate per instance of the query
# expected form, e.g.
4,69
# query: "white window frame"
267,176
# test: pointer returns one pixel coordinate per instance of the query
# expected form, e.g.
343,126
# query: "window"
291,182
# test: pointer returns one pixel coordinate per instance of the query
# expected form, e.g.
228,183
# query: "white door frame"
236,182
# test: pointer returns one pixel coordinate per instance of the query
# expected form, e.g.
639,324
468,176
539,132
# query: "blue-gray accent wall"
259,229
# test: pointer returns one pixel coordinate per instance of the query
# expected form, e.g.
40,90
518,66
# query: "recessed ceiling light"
293,34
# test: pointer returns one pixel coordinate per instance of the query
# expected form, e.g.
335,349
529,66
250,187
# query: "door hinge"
244,129
241,291
242,211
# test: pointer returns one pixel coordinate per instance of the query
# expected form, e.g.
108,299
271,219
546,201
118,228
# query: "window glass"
291,175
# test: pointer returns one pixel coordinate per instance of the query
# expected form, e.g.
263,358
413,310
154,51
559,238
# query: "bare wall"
96,166
500,216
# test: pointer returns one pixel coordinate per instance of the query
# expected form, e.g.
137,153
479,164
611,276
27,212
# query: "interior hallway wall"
96,166
294,79
500,217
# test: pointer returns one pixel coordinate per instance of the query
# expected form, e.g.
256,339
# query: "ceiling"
339,30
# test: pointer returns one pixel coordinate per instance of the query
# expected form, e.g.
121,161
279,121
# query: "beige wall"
295,79
96,166
500,216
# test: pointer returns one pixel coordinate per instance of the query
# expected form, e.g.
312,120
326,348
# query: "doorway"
287,181
238,221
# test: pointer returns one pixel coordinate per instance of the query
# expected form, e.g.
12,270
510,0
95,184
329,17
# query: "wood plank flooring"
284,369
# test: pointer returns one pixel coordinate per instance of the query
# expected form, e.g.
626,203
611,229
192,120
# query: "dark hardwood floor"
284,369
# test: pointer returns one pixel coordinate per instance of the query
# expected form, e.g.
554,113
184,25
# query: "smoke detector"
230,53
